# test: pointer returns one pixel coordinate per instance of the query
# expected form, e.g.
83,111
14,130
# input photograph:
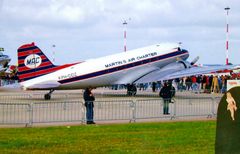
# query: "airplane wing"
201,70
194,70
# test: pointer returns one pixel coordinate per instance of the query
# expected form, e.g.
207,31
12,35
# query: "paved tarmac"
20,96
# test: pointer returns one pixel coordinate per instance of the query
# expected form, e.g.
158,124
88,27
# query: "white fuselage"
119,68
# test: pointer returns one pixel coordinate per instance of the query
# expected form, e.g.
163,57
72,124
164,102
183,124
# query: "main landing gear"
48,95
131,90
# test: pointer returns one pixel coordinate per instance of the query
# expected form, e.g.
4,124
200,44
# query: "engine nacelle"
186,64
177,66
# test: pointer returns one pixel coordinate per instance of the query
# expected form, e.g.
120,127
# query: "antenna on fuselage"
125,33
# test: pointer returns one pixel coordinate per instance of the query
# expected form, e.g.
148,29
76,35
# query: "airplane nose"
185,53
184,50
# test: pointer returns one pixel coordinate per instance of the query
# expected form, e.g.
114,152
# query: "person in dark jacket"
166,94
154,86
188,83
89,99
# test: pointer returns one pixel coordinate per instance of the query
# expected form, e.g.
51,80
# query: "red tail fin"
32,62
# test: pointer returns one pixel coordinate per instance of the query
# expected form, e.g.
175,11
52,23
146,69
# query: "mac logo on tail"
33,61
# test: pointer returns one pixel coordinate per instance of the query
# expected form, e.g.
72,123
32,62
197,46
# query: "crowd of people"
197,84
9,76
203,83
7,79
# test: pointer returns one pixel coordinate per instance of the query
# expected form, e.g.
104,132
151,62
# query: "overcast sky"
83,29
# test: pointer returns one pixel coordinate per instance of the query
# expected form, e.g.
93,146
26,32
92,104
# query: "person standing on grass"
166,94
89,99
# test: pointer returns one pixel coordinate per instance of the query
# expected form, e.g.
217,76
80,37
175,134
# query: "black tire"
131,90
47,96
134,90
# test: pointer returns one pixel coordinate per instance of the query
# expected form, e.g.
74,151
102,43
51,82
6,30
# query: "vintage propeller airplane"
4,60
148,64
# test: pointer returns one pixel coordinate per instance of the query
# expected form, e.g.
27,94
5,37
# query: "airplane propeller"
194,60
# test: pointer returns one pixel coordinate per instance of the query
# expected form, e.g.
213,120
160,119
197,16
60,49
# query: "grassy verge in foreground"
170,137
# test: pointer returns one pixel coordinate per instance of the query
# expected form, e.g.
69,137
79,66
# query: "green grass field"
170,137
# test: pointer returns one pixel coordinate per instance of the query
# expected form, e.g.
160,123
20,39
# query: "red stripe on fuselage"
42,72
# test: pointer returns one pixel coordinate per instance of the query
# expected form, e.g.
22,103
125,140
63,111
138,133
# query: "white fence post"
174,110
30,110
133,107
83,112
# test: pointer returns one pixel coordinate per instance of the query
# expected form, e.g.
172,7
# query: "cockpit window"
178,49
